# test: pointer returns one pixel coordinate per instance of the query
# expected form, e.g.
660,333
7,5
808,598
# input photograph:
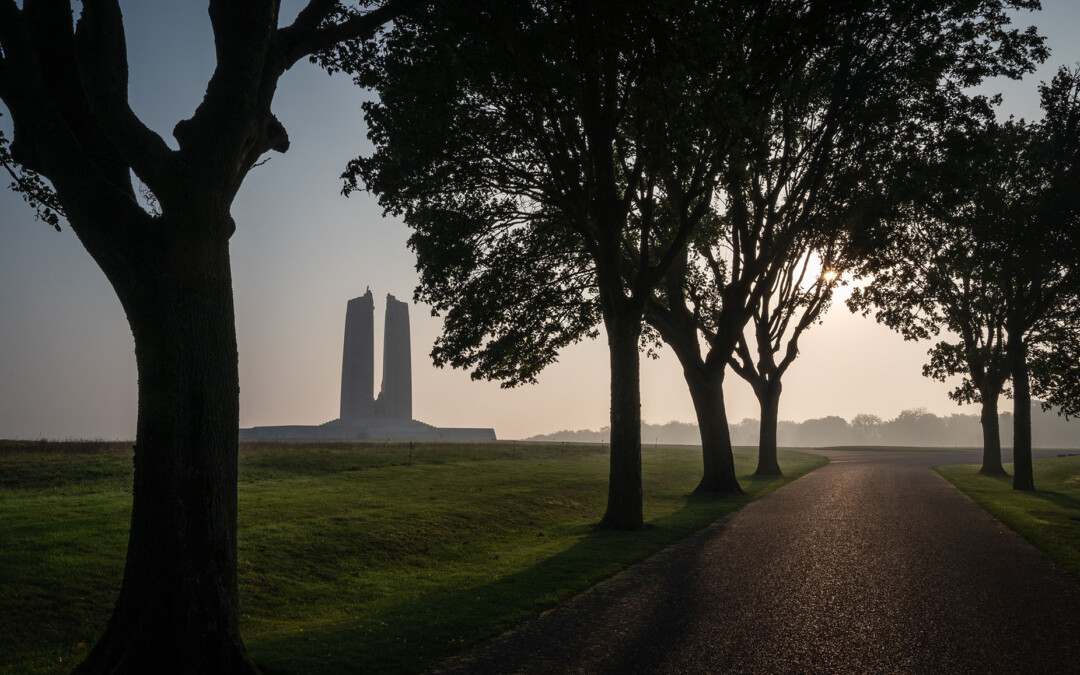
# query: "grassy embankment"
352,557
1048,518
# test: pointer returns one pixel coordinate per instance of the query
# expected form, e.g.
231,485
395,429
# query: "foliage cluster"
986,246
682,163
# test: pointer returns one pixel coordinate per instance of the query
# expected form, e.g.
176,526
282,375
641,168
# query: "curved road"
871,564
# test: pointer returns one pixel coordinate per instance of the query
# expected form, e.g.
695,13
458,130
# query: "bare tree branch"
307,35
314,14
103,68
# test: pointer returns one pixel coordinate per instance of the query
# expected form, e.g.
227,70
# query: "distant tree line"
916,427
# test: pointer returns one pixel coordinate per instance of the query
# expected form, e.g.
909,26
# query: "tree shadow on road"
412,636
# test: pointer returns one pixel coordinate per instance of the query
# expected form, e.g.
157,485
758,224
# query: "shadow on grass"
416,635
1058,499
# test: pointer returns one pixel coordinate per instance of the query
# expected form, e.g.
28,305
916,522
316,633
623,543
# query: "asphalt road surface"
871,564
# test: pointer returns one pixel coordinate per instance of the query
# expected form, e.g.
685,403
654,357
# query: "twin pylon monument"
363,415
358,362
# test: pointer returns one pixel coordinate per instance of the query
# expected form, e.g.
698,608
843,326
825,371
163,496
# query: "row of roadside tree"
703,174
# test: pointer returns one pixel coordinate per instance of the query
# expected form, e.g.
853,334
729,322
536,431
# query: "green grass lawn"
1049,518
352,557
896,448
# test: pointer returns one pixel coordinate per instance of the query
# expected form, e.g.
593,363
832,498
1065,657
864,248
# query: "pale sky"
67,367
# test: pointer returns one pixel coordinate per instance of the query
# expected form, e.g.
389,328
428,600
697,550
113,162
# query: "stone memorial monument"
362,415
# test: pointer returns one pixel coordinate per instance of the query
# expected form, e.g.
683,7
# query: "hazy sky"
67,368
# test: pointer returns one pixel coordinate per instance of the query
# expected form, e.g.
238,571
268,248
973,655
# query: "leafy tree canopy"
521,141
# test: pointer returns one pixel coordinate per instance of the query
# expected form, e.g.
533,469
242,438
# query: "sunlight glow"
829,276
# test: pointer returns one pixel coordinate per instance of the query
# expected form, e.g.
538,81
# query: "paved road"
872,564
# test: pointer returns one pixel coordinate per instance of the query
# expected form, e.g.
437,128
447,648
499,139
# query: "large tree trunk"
768,395
178,610
1023,473
991,462
707,393
624,505
66,89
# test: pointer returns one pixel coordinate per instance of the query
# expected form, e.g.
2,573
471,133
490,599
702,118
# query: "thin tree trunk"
707,393
1023,473
706,385
624,505
991,463
769,398
178,609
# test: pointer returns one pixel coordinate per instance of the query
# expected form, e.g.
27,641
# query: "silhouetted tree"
992,252
867,427
1055,364
851,86
552,159
784,311
928,276
1029,223
65,86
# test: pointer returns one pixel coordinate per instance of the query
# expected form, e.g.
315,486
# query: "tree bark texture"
991,462
624,505
1023,473
177,611
707,393
768,395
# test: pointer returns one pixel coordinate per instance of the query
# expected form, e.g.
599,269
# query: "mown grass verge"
895,448
1048,518
353,558
922,448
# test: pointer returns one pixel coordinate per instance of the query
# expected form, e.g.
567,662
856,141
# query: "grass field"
352,557
923,448
895,448
1049,518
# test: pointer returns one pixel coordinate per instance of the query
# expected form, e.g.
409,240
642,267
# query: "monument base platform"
367,429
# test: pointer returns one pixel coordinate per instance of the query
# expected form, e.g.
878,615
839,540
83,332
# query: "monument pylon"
395,395
358,362
358,359
363,415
